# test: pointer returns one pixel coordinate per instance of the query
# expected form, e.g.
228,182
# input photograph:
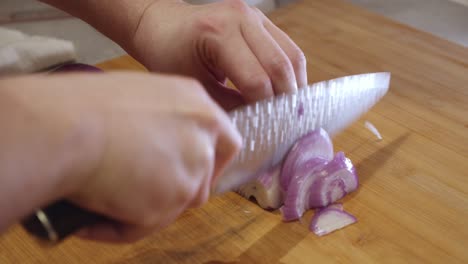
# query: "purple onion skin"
333,182
318,185
296,198
316,144
76,67
329,220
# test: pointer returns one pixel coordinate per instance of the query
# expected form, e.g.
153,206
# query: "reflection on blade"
270,127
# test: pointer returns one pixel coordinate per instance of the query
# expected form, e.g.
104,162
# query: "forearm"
42,157
117,19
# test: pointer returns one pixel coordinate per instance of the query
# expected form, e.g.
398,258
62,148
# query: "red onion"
265,189
310,178
316,144
330,219
333,182
296,200
318,186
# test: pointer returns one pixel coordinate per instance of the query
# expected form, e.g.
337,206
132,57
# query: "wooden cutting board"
412,204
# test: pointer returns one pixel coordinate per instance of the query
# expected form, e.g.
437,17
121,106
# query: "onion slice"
296,200
265,189
373,129
329,220
316,144
319,185
333,182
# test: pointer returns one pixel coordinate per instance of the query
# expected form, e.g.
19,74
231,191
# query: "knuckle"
193,84
298,58
280,66
239,6
187,191
210,24
195,87
257,87
257,11
258,82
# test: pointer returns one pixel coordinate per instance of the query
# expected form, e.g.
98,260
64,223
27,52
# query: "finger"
234,57
271,56
228,143
294,53
203,146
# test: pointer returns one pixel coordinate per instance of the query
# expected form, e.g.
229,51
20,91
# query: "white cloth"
21,53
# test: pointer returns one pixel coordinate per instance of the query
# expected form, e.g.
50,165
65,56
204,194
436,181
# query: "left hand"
216,42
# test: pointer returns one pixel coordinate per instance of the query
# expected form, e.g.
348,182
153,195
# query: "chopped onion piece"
333,182
265,189
319,185
316,144
330,219
296,200
373,129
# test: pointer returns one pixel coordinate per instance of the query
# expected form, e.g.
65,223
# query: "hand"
217,41
160,140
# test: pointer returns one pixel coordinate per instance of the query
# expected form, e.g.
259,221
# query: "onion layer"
297,196
316,144
333,182
265,189
330,219
318,186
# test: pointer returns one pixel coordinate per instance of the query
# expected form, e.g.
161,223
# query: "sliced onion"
373,129
319,185
265,189
330,219
316,144
297,196
333,182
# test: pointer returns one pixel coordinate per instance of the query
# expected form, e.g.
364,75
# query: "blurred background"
445,18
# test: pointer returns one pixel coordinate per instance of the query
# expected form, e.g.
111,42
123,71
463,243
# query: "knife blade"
269,128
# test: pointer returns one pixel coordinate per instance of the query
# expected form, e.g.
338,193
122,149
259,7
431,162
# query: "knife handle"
59,220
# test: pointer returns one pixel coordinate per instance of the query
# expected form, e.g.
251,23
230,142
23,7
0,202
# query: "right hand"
161,141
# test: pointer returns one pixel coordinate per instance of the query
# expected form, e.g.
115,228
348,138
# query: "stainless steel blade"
270,127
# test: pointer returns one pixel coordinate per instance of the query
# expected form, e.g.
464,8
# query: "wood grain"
412,204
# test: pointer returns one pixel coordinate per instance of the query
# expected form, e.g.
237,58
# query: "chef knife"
269,128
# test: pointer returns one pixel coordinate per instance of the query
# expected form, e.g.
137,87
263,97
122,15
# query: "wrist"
48,149
116,19
153,23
